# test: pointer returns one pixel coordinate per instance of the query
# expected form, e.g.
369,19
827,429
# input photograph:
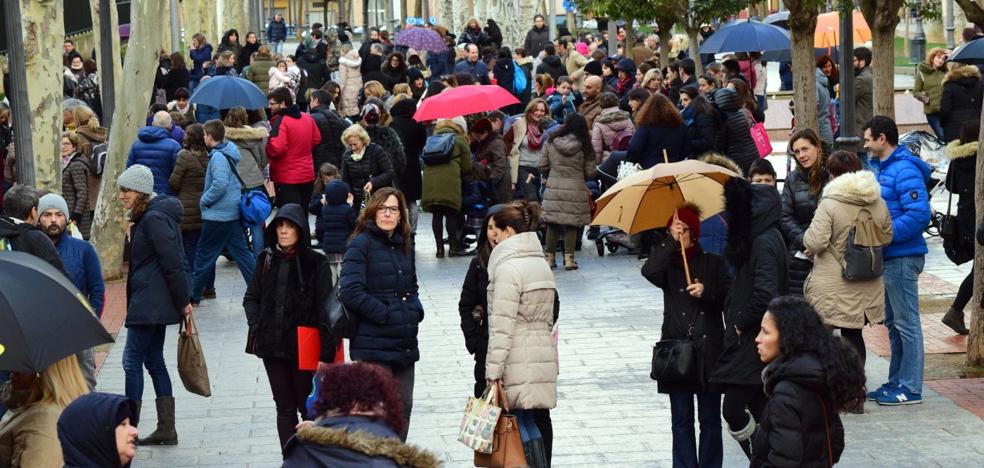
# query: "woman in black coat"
960,181
288,291
395,70
800,196
702,121
157,292
961,100
734,137
537,37
378,286
245,55
413,134
473,305
758,254
691,311
811,377
365,166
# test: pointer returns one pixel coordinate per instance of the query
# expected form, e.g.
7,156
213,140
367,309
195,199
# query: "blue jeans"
216,237
277,47
936,124
685,448
761,102
256,236
190,241
145,348
902,320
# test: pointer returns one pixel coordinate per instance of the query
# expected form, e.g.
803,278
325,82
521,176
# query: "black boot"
165,433
955,320
456,250
135,418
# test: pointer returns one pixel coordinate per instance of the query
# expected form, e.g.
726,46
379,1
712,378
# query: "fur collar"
966,71
369,445
351,60
721,160
957,150
246,133
856,188
610,115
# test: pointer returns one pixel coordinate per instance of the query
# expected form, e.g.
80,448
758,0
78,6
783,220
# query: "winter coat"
390,142
330,128
371,69
929,83
681,311
734,137
521,298
536,40
474,36
277,31
351,82
841,303
170,82
505,73
649,142
378,285
960,181
798,206
289,148
559,107
198,58
759,280
961,100
220,197
82,267
155,149
188,182
553,66
797,427
315,69
225,45
590,109
574,61
288,291
393,76
336,219
28,238
567,165
75,191
903,187
87,430
863,99
413,134
474,295
823,109
493,164
93,138
29,437
157,288
252,148
440,63
259,70
640,54
245,55
442,182
353,442
375,166
477,69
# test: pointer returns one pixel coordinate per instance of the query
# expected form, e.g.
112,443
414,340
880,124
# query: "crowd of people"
777,311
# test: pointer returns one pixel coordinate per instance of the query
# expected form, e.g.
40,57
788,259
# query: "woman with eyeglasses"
378,286
365,165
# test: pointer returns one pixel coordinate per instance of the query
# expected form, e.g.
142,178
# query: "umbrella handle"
683,250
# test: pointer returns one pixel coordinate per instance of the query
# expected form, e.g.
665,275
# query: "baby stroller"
610,238
933,151
476,198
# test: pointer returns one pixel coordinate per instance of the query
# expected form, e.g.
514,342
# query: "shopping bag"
479,420
507,445
761,138
308,348
191,359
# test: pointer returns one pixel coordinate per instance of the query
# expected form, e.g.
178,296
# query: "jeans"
902,320
145,348
404,379
536,423
216,237
965,293
190,241
761,102
936,124
685,448
87,364
277,47
290,388
531,189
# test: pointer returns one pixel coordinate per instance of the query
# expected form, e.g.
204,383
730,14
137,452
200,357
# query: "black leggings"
855,338
739,397
965,293
444,215
290,388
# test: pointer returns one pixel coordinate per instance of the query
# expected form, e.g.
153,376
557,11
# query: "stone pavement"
608,414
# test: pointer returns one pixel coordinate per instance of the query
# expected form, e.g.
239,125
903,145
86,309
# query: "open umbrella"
971,53
226,92
827,34
780,19
43,318
421,39
746,36
464,100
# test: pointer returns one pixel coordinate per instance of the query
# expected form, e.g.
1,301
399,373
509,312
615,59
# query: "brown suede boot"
569,263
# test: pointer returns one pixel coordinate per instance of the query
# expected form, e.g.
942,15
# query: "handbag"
340,320
479,421
761,138
676,360
507,444
191,359
254,206
957,249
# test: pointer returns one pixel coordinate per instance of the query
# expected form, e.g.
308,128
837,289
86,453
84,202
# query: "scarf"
688,114
65,160
534,136
358,156
624,84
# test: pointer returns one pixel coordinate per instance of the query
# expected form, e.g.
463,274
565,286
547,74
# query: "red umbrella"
464,100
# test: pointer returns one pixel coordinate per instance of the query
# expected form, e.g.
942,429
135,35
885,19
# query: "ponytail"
519,215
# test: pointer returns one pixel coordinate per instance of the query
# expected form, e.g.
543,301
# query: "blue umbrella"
971,53
226,92
780,19
746,36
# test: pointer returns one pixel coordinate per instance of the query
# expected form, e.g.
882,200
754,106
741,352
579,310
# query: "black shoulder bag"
957,249
677,360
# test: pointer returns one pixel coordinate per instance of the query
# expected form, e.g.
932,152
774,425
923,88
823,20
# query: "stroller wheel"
612,247
600,243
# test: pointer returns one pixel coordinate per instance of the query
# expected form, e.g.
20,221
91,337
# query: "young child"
762,172
561,101
336,221
326,173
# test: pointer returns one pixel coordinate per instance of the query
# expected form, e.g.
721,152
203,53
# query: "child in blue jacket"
562,101
336,221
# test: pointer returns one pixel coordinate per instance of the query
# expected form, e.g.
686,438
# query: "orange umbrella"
827,34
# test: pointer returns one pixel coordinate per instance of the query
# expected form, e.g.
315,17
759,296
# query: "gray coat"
252,146
823,109
566,165
863,99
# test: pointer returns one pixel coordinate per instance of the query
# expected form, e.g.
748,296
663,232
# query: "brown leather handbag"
507,445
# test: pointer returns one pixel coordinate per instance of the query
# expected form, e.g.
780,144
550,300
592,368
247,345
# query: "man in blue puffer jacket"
220,211
155,149
903,177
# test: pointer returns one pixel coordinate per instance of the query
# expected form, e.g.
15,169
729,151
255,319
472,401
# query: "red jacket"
289,148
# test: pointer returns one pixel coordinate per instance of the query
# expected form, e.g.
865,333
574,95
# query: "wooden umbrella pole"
683,253
666,157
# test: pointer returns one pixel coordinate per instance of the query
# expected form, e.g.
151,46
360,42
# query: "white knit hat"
137,178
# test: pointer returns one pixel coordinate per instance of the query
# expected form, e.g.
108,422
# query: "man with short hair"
155,149
277,33
688,68
573,60
293,136
372,64
221,228
69,52
374,38
863,89
473,65
330,128
18,229
903,177
591,106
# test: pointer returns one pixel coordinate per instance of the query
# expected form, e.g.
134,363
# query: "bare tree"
43,29
802,24
973,10
882,17
975,342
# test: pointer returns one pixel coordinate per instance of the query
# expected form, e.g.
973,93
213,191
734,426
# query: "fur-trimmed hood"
964,73
449,124
855,188
97,135
957,150
721,160
611,115
321,442
351,59
246,133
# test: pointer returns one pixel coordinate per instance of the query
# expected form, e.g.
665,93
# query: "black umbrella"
43,318
971,53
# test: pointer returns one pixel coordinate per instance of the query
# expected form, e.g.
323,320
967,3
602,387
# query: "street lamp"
847,141
917,44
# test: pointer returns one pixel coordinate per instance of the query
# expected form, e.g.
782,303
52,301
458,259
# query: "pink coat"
609,122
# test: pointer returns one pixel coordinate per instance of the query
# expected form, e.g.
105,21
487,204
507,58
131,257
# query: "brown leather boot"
569,263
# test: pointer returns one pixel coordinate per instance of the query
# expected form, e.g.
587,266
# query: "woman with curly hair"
359,419
395,70
811,377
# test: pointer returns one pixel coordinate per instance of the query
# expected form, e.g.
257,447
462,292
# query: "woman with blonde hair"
29,431
373,90
365,166
652,81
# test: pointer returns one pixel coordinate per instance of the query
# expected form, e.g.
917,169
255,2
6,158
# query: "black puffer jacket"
375,166
317,71
331,126
156,285
473,306
301,279
798,207
798,428
734,137
703,133
413,134
960,181
29,239
761,278
389,140
553,66
336,219
961,100
664,269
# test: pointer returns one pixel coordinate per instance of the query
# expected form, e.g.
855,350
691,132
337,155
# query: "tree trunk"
115,67
200,17
513,32
447,14
141,63
973,10
802,23
693,35
882,17
975,342
629,36
665,33
44,30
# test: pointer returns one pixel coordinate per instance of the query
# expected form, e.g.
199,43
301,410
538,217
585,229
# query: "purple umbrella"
421,39
125,30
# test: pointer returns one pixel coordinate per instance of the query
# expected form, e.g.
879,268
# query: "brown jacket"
641,53
188,182
567,165
842,303
29,437
590,109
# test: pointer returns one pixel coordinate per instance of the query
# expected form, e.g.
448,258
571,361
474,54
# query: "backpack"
620,142
862,257
438,149
97,161
519,79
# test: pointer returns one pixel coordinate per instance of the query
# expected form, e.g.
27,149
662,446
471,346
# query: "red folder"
308,348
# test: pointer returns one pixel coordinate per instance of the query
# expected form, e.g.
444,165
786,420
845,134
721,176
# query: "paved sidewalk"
609,413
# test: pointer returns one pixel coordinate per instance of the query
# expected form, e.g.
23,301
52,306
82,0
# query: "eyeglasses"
393,210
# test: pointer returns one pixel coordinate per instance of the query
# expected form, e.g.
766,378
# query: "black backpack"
438,149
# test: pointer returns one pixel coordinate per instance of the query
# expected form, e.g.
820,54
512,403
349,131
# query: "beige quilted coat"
841,303
350,79
521,304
